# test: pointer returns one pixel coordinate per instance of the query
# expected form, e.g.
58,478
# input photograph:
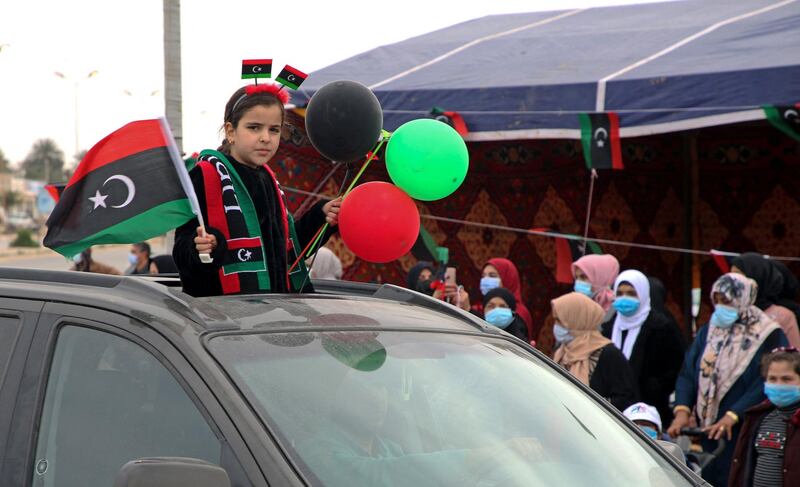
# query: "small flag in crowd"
131,186
291,77
55,190
723,260
256,68
785,118
568,250
600,139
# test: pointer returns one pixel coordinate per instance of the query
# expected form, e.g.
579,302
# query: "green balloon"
427,159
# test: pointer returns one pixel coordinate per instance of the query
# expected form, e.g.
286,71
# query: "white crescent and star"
256,69
99,199
597,136
291,77
792,115
246,256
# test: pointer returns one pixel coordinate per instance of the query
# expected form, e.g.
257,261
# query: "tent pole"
690,262
592,177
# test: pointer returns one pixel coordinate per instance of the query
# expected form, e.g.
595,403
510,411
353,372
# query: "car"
108,380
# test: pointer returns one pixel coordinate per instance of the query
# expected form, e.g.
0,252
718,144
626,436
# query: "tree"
10,199
4,162
45,162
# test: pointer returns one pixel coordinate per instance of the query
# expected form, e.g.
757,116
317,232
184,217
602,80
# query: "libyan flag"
785,118
600,140
131,186
291,77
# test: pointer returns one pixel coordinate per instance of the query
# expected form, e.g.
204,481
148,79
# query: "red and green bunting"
126,189
785,118
291,77
600,140
256,68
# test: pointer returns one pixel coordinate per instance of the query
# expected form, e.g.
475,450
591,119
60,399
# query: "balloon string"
312,246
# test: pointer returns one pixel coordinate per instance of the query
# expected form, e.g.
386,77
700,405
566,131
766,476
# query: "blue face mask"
626,305
489,283
561,334
500,317
782,395
77,258
650,432
583,287
132,259
724,316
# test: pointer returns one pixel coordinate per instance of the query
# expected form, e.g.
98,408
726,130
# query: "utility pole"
172,69
172,84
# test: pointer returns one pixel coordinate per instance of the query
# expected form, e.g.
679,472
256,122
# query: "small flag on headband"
256,68
129,187
291,77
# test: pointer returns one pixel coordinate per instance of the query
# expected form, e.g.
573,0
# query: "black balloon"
344,121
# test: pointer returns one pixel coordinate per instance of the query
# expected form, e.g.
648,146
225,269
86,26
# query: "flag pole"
186,182
592,177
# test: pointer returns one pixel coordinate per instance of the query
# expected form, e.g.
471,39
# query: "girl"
499,272
594,275
250,235
768,450
587,354
652,345
498,309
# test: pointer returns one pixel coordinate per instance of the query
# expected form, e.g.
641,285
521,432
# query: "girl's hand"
206,244
722,427
331,210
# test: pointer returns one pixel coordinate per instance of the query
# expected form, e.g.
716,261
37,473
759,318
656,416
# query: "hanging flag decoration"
291,77
785,118
600,139
131,186
723,260
568,250
256,68
453,119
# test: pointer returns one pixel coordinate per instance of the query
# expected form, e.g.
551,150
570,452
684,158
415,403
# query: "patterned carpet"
747,180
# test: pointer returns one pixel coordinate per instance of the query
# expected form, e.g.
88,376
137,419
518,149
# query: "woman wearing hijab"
770,283
420,277
585,353
326,265
498,310
652,345
594,275
499,272
721,376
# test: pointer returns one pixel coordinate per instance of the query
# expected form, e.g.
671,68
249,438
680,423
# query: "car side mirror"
171,472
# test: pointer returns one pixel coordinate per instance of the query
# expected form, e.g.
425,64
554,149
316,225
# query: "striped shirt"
770,443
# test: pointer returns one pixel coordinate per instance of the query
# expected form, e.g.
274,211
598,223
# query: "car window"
391,409
9,331
109,401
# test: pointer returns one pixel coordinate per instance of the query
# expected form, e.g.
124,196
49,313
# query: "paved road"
115,256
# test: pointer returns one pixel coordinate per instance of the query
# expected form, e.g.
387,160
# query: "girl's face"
580,275
491,271
625,289
782,372
495,302
256,138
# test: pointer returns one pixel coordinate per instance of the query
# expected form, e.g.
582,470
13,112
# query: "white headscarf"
633,324
326,265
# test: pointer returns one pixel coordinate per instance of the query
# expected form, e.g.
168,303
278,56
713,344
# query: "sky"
123,42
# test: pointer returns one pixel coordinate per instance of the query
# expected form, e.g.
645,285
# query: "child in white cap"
647,417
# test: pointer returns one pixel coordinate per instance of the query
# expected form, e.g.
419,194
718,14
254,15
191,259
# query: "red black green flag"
291,77
55,190
131,186
785,118
256,68
723,260
600,139
568,250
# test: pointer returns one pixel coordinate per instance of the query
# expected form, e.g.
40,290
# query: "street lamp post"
76,85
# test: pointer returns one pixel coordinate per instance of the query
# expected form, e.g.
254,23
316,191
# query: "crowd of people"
739,379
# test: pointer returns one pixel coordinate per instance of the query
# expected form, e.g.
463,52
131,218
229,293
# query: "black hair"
143,247
235,111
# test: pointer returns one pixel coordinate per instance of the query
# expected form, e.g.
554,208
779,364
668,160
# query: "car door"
18,319
101,389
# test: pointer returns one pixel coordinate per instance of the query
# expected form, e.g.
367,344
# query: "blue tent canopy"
663,67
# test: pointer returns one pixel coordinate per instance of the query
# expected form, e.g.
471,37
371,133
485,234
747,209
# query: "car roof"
335,304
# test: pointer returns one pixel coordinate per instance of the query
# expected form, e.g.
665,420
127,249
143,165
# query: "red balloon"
379,222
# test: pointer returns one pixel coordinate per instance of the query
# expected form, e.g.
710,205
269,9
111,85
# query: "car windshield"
393,408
